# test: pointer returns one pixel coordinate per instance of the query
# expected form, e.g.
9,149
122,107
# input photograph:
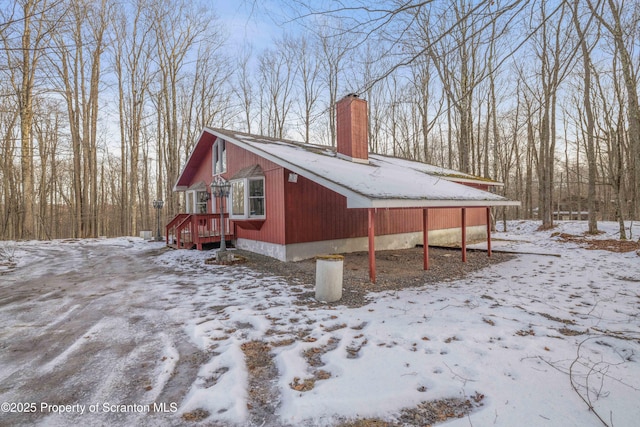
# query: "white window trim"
190,196
198,203
247,204
193,208
218,155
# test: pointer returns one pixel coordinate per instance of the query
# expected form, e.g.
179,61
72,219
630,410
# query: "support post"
158,204
372,245
488,231
223,236
464,234
425,237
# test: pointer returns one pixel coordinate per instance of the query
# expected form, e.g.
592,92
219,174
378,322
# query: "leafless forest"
102,100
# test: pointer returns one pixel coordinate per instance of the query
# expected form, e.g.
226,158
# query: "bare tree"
47,121
32,30
177,28
80,45
422,80
613,23
307,58
243,87
588,111
335,47
132,57
554,50
277,75
611,122
452,48
9,117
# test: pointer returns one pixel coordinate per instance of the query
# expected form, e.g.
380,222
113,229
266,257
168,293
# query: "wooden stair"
188,231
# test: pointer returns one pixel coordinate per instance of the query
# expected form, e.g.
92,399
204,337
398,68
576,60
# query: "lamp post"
221,188
158,204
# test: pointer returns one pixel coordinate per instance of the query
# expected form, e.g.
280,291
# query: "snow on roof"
385,182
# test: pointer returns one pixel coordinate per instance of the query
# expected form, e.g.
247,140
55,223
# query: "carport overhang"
426,206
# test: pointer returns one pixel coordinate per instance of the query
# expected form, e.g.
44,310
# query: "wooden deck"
188,231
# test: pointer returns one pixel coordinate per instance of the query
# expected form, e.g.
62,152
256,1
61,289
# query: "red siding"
204,171
313,213
272,230
452,217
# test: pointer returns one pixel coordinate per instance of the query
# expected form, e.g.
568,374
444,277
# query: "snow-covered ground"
125,322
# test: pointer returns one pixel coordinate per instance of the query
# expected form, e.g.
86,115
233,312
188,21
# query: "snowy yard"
125,332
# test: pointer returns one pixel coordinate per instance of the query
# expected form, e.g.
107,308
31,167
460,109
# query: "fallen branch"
500,251
586,399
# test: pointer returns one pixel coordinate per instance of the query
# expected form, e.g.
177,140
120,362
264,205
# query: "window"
202,197
189,202
256,197
237,197
219,157
248,204
196,202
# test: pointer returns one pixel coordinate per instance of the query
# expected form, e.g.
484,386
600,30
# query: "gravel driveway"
85,329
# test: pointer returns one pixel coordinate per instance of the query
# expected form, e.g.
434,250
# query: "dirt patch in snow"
424,414
396,269
611,245
263,394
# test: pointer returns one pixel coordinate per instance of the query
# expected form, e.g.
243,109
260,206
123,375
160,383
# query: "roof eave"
424,203
489,183
177,186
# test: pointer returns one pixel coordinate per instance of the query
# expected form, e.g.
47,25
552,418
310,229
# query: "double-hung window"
256,197
247,198
202,197
238,199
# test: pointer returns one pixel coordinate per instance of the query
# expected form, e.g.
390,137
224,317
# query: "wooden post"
425,237
372,245
464,234
488,231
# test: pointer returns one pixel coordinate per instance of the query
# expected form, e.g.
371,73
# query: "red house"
293,201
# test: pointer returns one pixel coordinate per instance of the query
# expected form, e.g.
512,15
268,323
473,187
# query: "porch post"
464,234
372,245
488,231
425,237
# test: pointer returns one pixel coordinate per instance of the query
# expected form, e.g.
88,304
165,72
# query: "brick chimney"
352,129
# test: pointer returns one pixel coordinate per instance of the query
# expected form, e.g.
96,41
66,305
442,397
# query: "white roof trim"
413,203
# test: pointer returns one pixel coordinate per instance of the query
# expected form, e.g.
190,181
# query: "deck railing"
187,230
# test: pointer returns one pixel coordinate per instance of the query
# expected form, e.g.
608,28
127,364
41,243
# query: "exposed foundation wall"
300,251
453,236
272,250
